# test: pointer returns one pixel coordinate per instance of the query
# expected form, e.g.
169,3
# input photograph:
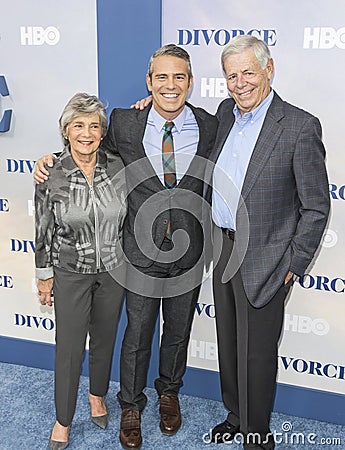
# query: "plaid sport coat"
284,202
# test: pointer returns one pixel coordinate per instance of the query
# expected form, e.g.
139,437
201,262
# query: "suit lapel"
137,131
265,144
202,149
226,122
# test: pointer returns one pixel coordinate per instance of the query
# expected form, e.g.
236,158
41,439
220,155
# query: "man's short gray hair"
243,42
171,50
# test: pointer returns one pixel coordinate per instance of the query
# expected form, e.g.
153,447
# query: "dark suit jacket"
285,197
150,204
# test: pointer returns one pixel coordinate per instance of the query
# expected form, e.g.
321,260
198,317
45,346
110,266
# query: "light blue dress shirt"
185,136
232,164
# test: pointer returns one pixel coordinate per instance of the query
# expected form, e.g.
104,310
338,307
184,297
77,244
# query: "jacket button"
165,221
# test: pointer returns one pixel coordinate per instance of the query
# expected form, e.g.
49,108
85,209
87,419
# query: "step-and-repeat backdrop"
307,43
49,51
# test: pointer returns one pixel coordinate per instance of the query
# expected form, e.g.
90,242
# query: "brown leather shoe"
169,409
130,431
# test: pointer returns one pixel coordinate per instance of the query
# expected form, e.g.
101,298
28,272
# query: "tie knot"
168,126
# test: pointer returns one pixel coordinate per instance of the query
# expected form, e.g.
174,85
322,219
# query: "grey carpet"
27,415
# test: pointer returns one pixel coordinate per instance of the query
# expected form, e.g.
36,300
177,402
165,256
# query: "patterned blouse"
78,224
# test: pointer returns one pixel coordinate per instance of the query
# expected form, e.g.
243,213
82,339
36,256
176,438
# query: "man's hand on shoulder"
141,104
41,174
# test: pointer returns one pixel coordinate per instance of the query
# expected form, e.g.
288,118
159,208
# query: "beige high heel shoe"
101,421
58,445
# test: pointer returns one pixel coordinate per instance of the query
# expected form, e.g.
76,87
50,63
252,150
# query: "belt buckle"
230,234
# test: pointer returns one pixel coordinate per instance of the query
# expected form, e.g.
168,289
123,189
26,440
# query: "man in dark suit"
270,205
163,235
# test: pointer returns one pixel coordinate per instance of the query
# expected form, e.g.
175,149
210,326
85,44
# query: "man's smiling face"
169,84
248,83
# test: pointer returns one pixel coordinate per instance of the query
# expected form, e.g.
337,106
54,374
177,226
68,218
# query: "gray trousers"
84,303
142,312
247,348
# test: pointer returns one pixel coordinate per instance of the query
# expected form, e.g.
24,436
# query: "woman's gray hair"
242,43
170,50
82,104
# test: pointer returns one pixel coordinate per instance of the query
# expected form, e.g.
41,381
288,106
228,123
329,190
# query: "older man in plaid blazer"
270,204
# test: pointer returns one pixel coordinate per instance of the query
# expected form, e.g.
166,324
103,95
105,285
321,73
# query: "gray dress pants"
247,349
84,303
142,311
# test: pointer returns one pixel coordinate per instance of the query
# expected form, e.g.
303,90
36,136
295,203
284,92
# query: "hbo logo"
304,324
39,35
324,37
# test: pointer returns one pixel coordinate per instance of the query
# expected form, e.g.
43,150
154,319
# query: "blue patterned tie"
168,156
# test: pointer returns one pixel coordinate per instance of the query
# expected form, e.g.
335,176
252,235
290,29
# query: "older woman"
79,217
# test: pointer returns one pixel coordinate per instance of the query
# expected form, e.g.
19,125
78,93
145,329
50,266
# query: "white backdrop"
47,54
307,42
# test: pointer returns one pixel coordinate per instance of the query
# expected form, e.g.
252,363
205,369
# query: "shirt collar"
69,166
257,112
158,121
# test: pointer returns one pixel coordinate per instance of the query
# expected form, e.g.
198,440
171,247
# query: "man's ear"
191,80
148,82
270,68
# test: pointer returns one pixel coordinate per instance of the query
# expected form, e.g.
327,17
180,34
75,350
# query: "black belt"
229,233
